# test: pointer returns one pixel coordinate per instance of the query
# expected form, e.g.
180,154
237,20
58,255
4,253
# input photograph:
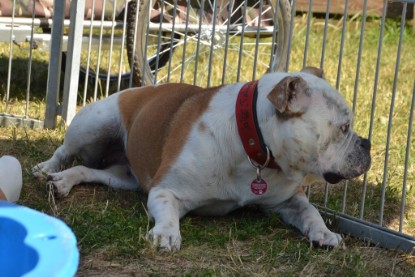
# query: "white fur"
212,174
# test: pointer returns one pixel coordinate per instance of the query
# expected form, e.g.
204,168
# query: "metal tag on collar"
259,186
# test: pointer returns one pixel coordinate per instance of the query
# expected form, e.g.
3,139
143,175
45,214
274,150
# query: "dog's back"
155,115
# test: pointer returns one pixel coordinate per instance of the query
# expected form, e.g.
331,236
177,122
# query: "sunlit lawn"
111,225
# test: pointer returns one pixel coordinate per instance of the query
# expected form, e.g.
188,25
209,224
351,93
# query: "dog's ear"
290,95
314,70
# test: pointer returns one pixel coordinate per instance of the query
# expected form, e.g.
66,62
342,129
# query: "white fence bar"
52,90
70,89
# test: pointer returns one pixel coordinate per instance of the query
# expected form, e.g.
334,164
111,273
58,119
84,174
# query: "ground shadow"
39,77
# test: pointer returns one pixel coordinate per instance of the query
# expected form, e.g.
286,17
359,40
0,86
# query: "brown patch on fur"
160,196
202,127
280,94
2,195
314,71
289,90
158,120
294,167
299,190
289,115
297,141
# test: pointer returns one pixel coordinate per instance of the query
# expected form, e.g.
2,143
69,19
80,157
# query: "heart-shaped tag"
259,187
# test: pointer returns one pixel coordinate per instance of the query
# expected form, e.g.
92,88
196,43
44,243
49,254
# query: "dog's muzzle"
359,163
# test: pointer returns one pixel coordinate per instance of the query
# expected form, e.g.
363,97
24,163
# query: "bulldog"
212,150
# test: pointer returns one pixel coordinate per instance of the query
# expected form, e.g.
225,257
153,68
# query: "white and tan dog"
187,147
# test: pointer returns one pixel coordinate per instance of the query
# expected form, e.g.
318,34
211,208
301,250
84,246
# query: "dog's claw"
324,239
320,244
163,241
38,173
56,186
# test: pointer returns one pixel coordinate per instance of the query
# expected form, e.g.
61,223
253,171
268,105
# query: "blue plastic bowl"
35,244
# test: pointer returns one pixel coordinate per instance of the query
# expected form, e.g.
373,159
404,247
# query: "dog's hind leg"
116,176
54,164
94,134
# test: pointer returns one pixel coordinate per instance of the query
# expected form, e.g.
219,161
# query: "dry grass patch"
111,225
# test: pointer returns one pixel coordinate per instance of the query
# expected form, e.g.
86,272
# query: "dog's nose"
365,143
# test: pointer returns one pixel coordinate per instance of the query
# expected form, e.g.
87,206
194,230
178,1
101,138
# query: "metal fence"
214,42
34,48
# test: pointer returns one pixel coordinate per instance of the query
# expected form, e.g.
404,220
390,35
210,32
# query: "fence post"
70,88
52,89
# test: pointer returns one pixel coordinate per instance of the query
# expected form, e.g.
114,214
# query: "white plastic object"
10,178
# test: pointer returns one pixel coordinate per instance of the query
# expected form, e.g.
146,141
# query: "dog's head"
314,129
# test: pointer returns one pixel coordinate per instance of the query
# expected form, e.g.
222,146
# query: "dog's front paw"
58,185
165,239
323,237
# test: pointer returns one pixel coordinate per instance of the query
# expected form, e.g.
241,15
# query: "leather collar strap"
248,128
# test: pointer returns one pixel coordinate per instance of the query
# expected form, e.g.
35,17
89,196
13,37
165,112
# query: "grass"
111,225
403,98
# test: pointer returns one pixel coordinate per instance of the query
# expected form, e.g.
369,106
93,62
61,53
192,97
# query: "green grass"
111,225
394,180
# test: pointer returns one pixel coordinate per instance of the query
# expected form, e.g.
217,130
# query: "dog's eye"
345,128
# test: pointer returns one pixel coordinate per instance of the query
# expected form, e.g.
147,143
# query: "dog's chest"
212,173
225,193
240,195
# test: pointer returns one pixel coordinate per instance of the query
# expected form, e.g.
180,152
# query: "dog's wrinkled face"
317,127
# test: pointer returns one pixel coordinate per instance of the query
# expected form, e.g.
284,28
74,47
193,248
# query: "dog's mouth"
333,178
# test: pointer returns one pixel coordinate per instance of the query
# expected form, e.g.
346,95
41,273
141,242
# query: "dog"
212,150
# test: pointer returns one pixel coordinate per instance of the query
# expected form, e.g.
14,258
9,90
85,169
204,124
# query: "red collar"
248,128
